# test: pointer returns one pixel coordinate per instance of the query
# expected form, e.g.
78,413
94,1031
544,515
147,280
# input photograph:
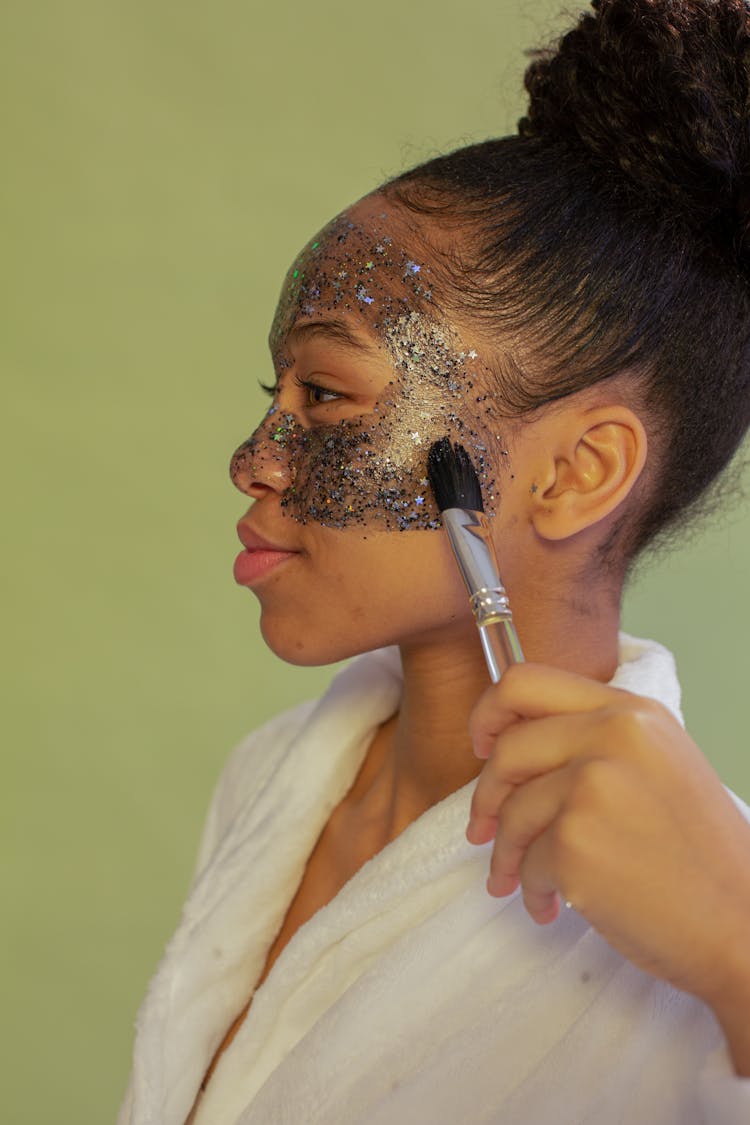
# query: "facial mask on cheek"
368,472
371,472
337,475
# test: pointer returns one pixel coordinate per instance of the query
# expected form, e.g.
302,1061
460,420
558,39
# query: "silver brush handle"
469,535
497,632
500,645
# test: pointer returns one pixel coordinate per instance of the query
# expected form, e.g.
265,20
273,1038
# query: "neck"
577,633
424,753
432,751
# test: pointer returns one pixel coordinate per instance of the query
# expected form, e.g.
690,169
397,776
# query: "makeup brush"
459,497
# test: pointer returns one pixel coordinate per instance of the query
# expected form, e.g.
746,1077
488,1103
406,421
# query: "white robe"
413,996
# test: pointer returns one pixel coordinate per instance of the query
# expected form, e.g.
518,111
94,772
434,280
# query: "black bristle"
453,477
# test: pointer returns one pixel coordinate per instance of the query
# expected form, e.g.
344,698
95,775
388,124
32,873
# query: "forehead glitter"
371,471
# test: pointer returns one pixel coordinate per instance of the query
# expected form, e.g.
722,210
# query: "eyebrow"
336,331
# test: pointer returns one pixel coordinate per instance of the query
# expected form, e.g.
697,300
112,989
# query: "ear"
593,461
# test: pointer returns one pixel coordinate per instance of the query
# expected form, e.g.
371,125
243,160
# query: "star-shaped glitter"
412,267
362,295
419,499
415,437
369,265
473,354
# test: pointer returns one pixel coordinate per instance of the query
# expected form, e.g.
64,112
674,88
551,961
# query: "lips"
251,540
260,557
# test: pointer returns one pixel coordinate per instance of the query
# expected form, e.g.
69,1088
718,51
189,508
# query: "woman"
572,305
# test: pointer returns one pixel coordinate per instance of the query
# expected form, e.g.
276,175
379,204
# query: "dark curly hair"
612,234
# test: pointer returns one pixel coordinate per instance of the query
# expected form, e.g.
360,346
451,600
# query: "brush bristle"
453,477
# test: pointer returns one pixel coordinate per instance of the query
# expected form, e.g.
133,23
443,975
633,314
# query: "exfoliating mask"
371,471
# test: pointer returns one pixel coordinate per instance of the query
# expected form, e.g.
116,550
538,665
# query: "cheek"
349,477
355,593
342,476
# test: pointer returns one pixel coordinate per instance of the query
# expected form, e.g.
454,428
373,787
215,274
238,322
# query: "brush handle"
500,645
469,536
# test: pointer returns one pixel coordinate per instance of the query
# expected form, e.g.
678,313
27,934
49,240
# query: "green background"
162,163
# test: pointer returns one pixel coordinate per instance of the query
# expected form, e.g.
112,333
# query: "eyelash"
305,384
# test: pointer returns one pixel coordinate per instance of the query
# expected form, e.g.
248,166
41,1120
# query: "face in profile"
369,373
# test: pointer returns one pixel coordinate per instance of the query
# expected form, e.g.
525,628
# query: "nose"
263,463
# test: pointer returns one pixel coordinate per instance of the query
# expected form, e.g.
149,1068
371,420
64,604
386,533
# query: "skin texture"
562,760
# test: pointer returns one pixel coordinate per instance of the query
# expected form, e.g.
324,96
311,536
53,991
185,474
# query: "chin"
309,648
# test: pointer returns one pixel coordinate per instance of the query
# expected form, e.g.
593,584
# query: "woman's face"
368,374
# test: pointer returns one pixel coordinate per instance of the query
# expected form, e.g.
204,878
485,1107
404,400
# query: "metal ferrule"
469,534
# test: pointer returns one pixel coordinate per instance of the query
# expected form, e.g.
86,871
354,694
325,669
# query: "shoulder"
247,769
741,805
362,694
255,756
647,668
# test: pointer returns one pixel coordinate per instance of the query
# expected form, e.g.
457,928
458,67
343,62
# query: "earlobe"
597,461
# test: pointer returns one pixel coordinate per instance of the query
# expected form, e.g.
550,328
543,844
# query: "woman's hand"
600,797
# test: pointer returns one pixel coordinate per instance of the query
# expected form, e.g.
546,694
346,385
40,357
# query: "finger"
525,815
527,750
534,691
540,880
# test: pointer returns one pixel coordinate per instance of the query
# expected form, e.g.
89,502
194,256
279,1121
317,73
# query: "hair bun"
656,93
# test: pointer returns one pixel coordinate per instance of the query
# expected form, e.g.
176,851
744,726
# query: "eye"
269,389
316,394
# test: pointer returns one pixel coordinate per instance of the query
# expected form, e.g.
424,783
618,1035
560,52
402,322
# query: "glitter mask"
371,471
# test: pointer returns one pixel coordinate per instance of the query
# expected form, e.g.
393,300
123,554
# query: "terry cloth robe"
413,996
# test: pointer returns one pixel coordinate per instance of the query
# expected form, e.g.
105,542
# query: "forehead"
364,268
